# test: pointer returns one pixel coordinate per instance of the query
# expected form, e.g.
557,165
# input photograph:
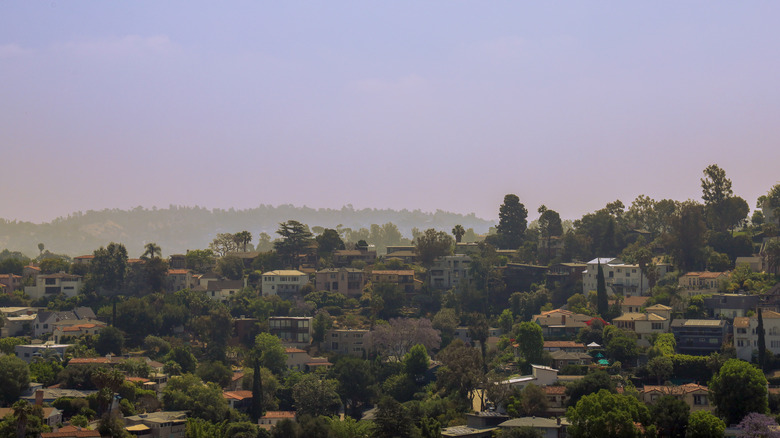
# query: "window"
700,400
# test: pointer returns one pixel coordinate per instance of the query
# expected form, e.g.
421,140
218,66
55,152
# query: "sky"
403,104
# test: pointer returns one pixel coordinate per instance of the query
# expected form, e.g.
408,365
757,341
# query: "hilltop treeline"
178,228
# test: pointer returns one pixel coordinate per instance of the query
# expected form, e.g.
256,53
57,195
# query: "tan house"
12,282
695,396
179,279
299,360
346,341
701,283
347,281
645,325
271,418
633,303
746,334
345,257
66,329
403,278
283,282
560,323
54,284
166,424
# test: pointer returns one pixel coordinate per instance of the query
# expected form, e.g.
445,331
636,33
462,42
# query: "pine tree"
761,341
257,408
601,292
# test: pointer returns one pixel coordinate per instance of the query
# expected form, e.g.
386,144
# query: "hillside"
178,228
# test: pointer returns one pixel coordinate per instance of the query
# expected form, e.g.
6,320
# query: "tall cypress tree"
761,341
601,292
257,408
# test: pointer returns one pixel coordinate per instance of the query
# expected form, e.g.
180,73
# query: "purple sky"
430,105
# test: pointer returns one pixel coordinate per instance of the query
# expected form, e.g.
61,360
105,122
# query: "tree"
53,265
416,361
322,322
431,245
295,237
189,393
446,321
458,231
607,414
756,425
231,267
109,267
269,351
242,239
216,372
549,225
199,260
223,244
506,320
512,222
355,384
761,341
531,341
392,419
329,241
702,424
670,416
623,349
686,237
738,389
401,334
316,396
601,292
591,383
461,369
14,378
151,250
184,358
715,187
257,409
479,331
110,340
660,367
533,401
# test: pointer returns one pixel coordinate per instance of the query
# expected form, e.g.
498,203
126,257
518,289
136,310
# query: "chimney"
39,397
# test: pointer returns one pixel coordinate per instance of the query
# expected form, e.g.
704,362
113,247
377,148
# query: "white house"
746,336
620,278
283,282
54,284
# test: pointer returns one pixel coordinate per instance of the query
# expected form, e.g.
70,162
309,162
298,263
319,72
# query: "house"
559,323
347,281
51,416
179,279
11,282
271,418
478,425
345,257
299,360
404,253
291,329
84,260
746,335
620,278
403,278
71,432
239,400
17,324
565,273
449,271
222,290
660,310
701,283
557,400
540,376
520,276
548,427
44,321
462,333
29,352
568,346
695,396
563,358
55,284
177,261
346,341
699,336
65,329
285,283
730,306
756,263
645,325
165,424
634,303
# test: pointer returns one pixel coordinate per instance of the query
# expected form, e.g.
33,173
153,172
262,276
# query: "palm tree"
151,249
458,232
242,239
22,411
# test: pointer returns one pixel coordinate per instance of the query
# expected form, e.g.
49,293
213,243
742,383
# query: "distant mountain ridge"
178,228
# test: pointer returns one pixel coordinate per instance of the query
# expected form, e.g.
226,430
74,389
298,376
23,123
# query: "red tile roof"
279,414
88,360
237,395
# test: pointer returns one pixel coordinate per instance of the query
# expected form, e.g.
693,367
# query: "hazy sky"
400,104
